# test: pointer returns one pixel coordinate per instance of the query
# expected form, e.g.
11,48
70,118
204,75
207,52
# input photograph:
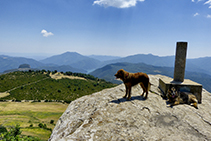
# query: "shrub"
14,134
2,129
52,121
42,125
31,125
67,101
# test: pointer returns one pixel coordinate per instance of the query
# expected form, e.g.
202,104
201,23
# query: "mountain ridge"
8,63
87,63
73,59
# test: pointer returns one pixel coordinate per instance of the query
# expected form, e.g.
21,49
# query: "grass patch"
26,114
36,132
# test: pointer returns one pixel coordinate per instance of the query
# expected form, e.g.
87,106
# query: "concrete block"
187,85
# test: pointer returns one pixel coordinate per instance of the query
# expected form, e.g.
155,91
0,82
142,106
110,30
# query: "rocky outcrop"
105,115
23,66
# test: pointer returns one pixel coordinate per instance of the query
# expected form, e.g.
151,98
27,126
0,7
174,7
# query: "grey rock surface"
105,115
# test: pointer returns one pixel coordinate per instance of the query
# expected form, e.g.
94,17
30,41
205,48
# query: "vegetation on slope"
38,85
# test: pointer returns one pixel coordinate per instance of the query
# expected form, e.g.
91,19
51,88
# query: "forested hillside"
38,85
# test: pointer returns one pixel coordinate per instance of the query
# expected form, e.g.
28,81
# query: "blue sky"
105,27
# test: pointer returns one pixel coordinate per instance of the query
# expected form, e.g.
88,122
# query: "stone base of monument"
187,85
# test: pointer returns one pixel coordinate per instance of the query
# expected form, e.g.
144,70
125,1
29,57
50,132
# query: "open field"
30,115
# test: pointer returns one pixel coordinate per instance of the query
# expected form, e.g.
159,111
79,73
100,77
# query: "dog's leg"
175,103
143,88
129,94
146,96
195,105
126,91
146,89
195,102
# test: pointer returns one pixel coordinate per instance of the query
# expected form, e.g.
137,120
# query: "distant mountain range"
194,65
8,63
75,62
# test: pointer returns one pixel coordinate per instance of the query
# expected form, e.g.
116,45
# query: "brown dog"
131,79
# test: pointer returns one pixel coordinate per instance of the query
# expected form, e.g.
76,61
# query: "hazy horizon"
41,56
105,27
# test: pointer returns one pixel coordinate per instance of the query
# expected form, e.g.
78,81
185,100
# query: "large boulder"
105,115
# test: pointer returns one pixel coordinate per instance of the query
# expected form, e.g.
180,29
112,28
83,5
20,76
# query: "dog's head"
120,74
172,94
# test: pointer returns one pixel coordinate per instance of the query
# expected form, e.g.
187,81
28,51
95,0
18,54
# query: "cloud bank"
208,2
208,16
117,3
46,34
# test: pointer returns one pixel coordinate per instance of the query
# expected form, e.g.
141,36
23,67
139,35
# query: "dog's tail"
195,101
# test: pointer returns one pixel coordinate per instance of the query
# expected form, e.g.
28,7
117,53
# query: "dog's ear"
176,93
173,89
120,71
127,74
169,91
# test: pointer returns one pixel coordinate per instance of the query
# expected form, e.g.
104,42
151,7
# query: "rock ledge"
105,115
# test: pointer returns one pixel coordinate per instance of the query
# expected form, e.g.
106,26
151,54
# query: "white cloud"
208,16
208,2
45,33
117,3
196,14
197,0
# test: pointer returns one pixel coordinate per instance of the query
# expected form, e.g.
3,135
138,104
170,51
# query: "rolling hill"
62,68
8,63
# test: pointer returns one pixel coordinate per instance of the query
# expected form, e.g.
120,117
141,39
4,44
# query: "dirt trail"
4,94
59,75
